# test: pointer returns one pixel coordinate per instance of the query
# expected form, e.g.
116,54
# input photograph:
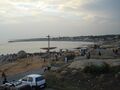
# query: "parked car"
15,86
34,80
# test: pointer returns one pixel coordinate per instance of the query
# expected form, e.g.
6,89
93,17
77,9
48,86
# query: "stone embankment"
12,57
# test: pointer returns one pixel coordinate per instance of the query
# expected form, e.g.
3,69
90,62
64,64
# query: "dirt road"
20,75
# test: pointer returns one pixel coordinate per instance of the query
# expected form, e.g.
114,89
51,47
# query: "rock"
74,72
21,54
63,72
83,63
8,58
117,75
54,68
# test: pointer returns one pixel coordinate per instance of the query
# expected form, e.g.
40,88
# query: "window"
24,79
30,79
39,78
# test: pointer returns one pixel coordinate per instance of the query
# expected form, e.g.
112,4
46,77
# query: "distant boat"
46,48
81,47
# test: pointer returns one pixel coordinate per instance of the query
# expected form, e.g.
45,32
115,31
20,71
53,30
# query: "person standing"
99,53
66,59
4,77
88,55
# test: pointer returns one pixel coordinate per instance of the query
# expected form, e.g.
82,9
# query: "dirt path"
20,75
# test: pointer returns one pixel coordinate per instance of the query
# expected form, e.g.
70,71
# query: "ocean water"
31,47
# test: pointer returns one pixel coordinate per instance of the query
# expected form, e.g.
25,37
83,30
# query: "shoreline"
35,47
103,45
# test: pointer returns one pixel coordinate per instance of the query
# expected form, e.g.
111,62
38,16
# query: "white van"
34,80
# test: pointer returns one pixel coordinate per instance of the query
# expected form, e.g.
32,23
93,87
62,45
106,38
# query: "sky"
37,18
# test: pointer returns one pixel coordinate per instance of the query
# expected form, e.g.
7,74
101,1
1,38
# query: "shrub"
97,69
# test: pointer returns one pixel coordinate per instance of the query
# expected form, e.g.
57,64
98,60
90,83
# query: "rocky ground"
76,79
100,72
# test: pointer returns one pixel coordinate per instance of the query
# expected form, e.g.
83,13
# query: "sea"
35,46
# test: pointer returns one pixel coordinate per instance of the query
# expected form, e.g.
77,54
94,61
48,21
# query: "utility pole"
48,43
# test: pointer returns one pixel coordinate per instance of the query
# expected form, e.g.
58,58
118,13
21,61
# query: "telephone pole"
48,43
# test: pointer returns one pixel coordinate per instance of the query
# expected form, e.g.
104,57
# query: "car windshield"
39,78
24,79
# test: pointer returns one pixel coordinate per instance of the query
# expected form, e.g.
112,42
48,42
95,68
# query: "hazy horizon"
21,19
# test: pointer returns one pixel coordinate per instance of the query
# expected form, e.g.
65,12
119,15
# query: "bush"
97,69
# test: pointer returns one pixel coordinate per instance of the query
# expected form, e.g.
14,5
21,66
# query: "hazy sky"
38,18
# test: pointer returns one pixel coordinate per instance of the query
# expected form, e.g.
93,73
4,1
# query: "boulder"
21,54
63,72
74,72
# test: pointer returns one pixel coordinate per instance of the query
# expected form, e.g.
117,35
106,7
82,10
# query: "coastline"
31,47
72,38
28,63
